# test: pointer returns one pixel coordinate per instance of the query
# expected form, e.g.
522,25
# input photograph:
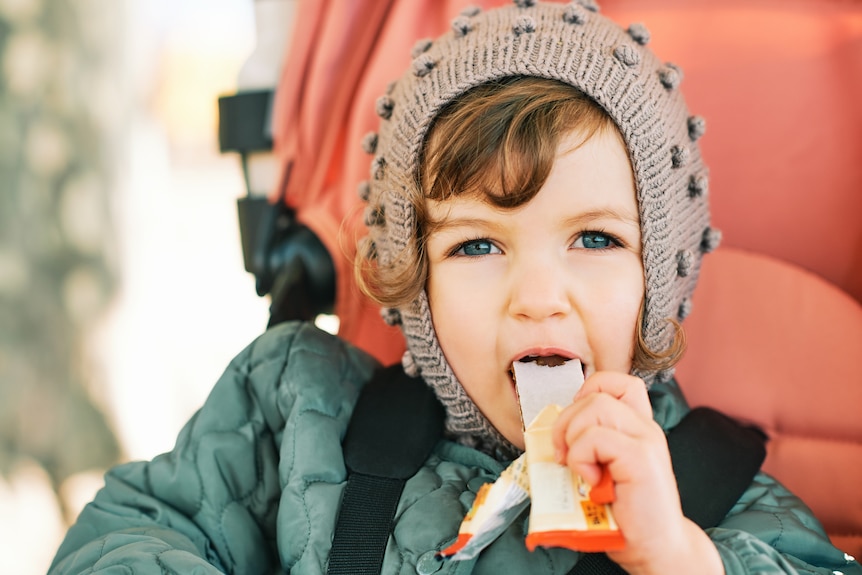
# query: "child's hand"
610,424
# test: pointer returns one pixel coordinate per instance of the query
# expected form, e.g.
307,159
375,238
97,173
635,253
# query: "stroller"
770,303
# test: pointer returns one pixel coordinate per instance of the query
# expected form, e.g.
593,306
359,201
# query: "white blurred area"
185,304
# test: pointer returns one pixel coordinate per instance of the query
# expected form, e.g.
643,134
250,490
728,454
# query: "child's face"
561,275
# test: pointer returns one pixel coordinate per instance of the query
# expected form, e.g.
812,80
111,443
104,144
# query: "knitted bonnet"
573,43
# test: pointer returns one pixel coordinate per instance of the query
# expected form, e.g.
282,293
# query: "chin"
515,435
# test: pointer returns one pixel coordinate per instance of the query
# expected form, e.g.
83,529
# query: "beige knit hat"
572,43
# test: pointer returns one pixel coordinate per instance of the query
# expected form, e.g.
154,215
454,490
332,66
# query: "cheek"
458,292
462,318
445,308
615,327
629,290
456,311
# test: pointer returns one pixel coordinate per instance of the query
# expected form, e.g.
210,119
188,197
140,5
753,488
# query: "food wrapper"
496,506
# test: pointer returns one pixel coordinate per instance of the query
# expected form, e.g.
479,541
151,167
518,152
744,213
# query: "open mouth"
544,360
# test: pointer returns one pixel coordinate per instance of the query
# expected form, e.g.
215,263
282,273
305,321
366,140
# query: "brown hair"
498,141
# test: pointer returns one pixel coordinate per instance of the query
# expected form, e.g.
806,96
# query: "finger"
627,388
601,410
625,456
595,450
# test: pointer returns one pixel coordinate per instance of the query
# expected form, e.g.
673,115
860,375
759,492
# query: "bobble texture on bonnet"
575,44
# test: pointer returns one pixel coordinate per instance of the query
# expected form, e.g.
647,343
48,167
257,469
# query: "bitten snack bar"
545,381
565,511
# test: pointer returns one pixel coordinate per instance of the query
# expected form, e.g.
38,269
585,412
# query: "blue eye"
595,241
476,248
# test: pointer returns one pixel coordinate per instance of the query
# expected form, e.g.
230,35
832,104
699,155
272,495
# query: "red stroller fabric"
779,83
342,56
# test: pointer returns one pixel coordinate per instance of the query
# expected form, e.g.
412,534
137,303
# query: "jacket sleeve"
210,505
770,530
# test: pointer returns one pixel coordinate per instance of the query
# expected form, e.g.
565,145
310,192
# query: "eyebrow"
605,214
448,223
454,223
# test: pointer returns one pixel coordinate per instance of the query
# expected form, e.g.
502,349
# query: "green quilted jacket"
254,483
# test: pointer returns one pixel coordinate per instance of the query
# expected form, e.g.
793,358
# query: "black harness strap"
364,523
395,425
596,564
714,459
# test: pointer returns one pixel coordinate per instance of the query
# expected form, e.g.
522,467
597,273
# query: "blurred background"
122,288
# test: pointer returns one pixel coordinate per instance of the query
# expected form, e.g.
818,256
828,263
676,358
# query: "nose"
539,290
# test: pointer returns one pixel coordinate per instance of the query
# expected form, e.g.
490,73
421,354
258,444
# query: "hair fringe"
646,359
397,284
